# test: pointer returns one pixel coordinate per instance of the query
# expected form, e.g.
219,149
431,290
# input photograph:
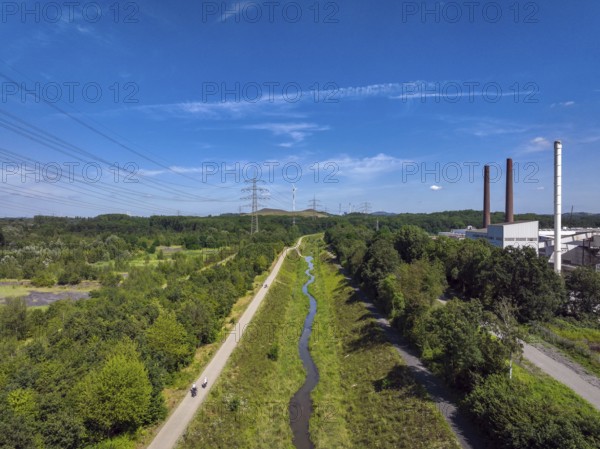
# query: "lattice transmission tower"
257,194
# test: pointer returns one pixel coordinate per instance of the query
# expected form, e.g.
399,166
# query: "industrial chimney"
557,206
509,212
486,197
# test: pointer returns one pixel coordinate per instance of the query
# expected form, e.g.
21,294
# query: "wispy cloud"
564,104
367,167
484,127
297,132
436,188
83,30
278,104
538,144
233,11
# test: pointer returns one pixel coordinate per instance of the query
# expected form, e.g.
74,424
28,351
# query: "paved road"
179,420
563,374
560,372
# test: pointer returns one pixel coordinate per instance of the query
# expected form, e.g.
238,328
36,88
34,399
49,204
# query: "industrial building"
517,234
510,233
578,246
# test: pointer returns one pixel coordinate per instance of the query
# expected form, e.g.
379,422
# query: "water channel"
300,407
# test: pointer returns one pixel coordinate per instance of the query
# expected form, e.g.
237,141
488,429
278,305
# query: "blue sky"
395,104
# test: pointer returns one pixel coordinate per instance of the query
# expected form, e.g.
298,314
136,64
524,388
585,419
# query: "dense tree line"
444,221
472,339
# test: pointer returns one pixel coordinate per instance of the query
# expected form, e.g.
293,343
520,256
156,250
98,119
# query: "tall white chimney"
557,206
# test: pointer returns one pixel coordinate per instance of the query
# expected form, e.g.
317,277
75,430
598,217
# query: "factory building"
517,234
578,247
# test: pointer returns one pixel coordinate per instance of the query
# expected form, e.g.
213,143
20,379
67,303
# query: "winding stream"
300,407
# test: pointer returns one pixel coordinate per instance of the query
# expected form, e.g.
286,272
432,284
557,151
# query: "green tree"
390,295
380,260
43,279
169,342
504,324
13,318
23,403
116,397
584,286
412,243
527,279
462,349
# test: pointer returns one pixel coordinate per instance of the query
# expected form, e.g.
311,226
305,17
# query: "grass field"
543,386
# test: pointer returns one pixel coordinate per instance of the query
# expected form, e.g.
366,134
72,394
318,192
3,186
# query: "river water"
300,407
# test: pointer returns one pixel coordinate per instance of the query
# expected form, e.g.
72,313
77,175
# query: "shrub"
273,353
43,279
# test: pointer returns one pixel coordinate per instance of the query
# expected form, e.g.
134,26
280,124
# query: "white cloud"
297,132
436,188
367,166
564,104
538,144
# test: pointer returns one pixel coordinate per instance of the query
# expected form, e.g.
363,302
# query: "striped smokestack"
509,212
486,197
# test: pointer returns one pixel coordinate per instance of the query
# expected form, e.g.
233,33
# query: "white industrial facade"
578,246
518,234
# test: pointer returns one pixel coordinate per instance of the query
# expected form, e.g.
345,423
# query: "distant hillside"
298,213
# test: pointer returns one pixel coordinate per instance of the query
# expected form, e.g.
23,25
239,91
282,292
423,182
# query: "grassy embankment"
365,397
575,340
534,411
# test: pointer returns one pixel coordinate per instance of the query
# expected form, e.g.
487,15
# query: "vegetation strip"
178,422
248,407
366,396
